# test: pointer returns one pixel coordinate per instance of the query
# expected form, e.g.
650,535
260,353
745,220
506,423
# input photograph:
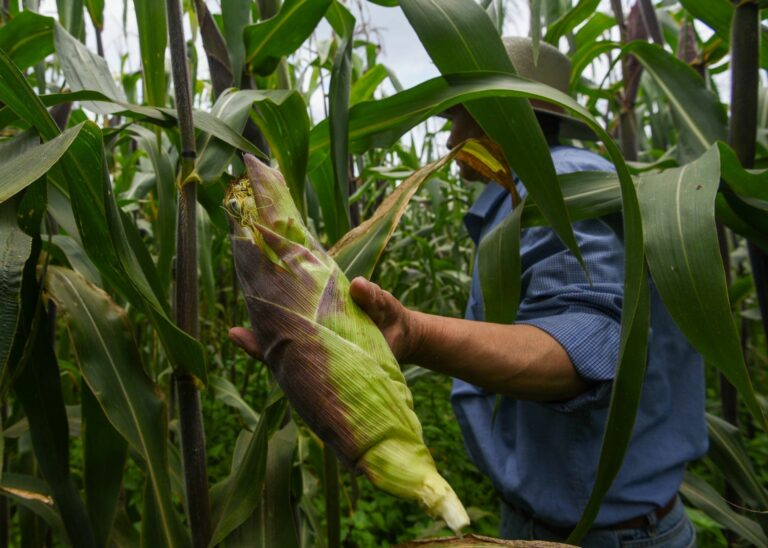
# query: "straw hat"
553,69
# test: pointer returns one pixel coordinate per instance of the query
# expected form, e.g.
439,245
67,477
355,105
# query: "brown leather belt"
633,523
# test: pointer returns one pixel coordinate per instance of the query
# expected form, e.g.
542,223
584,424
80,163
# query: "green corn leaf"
266,42
153,39
85,70
234,499
83,171
727,451
286,126
749,184
499,268
587,195
717,14
704,497
684,259
459,36
204,121
698,114
27,38
38,388
15,248
225,392
71,17
276,508
366,85
625,399
215,49
111,365
165,185
24,169
360,249
32,493
235,16
343,24
570,20
104,456
96,11
535,30
335,217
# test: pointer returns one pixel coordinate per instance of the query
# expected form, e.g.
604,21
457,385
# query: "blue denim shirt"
542,457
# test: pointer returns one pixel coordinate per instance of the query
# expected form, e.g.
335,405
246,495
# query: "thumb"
371,298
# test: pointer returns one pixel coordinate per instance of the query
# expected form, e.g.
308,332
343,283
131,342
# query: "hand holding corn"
329,358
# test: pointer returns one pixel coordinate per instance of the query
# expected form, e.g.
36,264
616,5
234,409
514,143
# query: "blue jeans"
674,530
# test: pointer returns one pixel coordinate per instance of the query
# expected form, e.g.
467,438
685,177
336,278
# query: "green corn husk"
329,358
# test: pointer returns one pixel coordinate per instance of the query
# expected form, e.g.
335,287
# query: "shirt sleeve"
583,317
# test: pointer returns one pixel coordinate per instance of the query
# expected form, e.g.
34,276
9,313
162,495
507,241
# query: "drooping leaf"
684,259
111,365
27,38
459,36
153,39
266,42
704,497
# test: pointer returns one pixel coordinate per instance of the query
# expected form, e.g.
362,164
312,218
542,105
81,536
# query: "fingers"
380,305
246,340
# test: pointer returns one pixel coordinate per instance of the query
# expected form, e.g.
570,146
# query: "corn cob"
329,358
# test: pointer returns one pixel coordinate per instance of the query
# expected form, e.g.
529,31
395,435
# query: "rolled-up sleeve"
582,314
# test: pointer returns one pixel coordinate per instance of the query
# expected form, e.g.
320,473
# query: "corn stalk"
745,66
186,298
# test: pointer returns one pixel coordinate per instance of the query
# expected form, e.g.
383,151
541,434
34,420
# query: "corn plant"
117,282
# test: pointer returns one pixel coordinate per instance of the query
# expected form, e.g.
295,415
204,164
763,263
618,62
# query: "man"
554,366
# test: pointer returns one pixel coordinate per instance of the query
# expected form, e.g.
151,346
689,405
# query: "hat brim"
570,127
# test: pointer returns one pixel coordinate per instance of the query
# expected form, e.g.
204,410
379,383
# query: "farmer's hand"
245,339
398,324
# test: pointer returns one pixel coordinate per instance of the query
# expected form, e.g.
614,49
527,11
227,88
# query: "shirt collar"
484,206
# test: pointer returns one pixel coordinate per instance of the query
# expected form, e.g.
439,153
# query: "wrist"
415,336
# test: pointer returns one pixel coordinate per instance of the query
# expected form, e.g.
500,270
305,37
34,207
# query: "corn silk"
327,355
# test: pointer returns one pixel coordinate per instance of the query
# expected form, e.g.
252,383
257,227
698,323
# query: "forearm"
515,360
